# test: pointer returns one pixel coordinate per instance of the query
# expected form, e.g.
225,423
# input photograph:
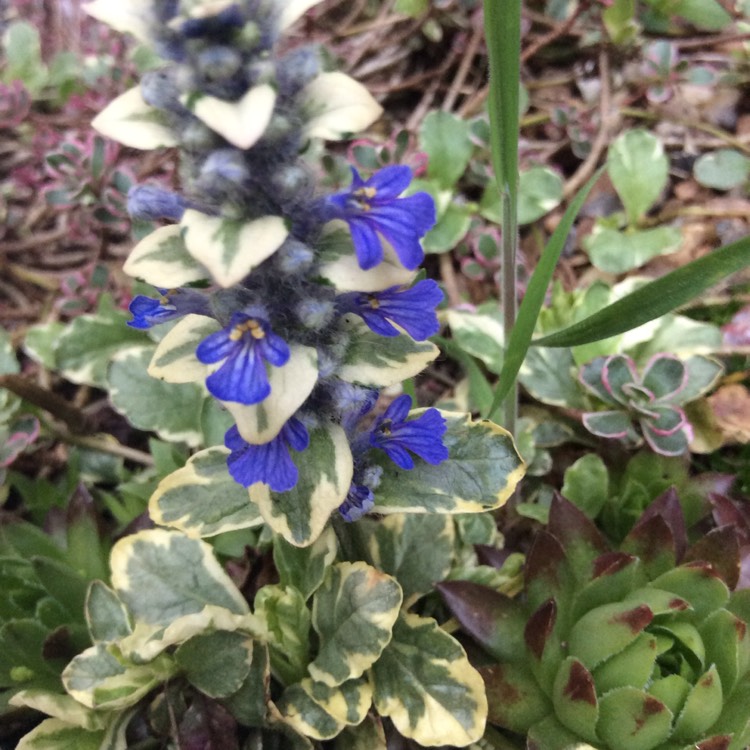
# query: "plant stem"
508,296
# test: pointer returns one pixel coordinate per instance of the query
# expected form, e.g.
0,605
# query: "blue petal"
216,347
295,433
377,322
399,455
366,243
148,311
273,348
390,182
358,502
242,378
398,409
269,463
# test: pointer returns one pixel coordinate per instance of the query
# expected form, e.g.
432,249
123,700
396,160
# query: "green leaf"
55,734
382,361
616,252
162,259
353,615
286,618
480,474
231,249
22,657
702,706
416,550
515,699
705,14
216,663
99,679
655,298
201,499
638,168
106,615
539,191
59,706
23,57
447,141
480,335
172,410
161,575
630,719
320,711
586,484
368,735
325,475
451,227
249,704
424,683
304,568
722,169
85,348
40,343
174,359
574,698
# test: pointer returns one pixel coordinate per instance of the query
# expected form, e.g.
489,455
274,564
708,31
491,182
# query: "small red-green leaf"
721,548
539,628
574,698
671,691
607,630
615,574
630,719
631,667
702,706
494,620
697,583
546,571
515,700
719,742
727,643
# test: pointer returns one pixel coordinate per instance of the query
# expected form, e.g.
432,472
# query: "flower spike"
172,304
373,207
244,346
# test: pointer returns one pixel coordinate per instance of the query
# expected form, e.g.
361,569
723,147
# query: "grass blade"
656,298
520,337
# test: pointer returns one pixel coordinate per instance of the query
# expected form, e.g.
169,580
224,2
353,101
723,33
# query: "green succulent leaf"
727,643
574,698
702,707
161,575
202,499
698,584
416,550
216,663
586,484
325,475
446,139
632,667
480,474
425,684
631,719
353,614
515,699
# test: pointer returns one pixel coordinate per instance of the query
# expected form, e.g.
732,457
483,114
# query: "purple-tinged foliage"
373,208
170,305
243,348
397,436
412,309
359,501
269,462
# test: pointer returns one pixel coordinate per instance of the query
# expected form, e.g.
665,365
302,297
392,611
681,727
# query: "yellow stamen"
374,303
251,325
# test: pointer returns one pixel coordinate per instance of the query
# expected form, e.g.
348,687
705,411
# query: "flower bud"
149,202
294,257
296,70
225,164
219,62
315,314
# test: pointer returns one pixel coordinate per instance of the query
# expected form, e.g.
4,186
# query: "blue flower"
244,346
359,501
374,207
172,304
270,462
411,309
149,202
422,436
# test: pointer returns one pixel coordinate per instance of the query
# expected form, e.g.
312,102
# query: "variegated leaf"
242,122
325,475
335,105
368,735
172,410
174,359
304,568
480,335
162,260
231,249
294,9
290,384
201,499
249,704
97,678
416,550
426,685
217,662
321,712
286,619
481,473
55,734
106,616
148,641
132,122
353,614
133,16
59,706
382,361
161,575
340,266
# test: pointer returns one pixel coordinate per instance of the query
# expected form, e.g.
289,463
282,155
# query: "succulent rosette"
642,648
647,405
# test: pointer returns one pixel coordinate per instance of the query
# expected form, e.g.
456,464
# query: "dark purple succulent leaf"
590,377
540,627
719,742
492,556
574,698
546,572
608,424
618,371
495,621
698,583
577,534
721,548
516,702
661,528
665,376
726,511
